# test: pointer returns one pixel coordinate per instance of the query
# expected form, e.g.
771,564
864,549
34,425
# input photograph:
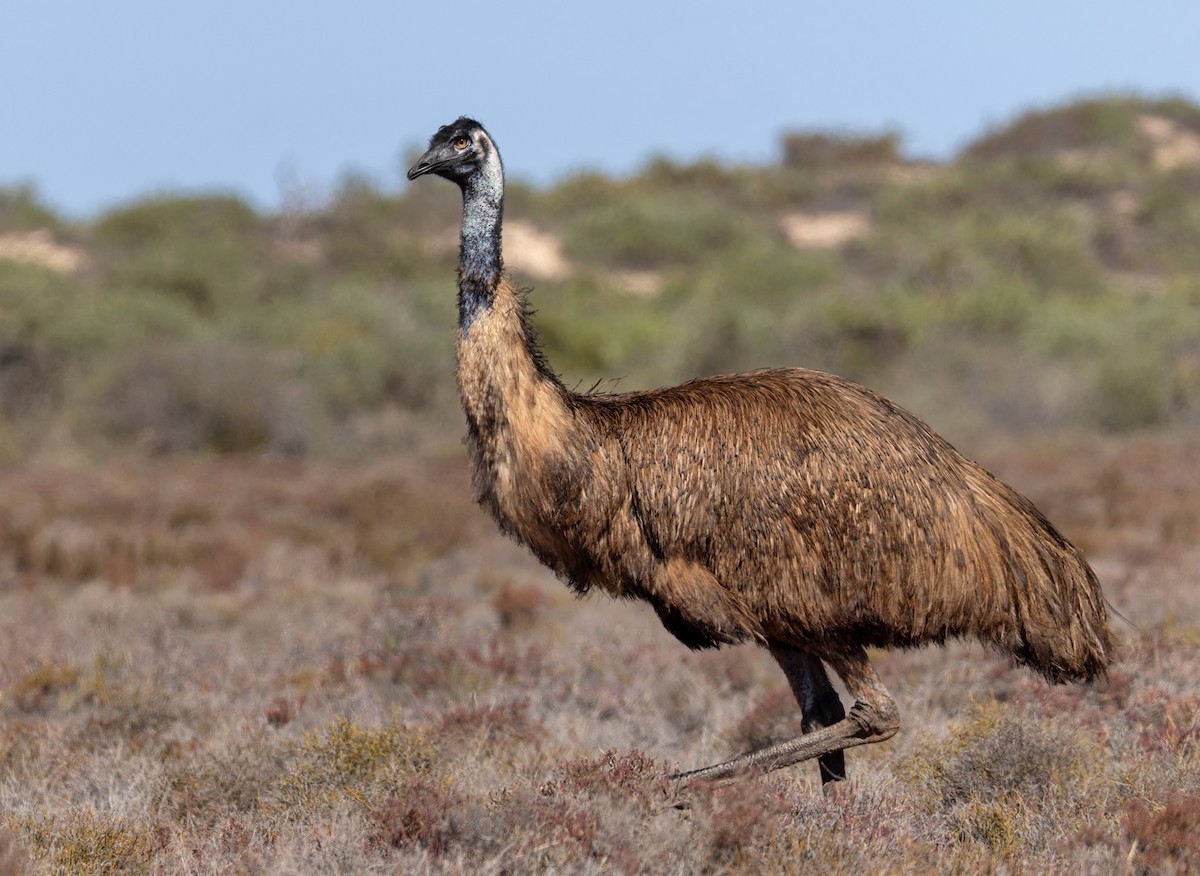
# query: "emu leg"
819,703
872,718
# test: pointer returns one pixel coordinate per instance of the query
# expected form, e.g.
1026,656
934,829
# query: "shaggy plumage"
788,507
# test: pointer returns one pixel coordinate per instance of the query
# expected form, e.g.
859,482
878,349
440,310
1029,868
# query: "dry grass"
251,666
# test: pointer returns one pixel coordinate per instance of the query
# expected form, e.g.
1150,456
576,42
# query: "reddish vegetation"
256,666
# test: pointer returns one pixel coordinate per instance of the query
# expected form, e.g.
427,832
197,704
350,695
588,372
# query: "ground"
255,665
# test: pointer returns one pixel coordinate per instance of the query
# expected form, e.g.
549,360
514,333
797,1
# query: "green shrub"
209,397
1103,122
149,221
42,308
809,149
591,331
1167,235
22,209
1056,248
1048,251
206,251
1131,391
680,228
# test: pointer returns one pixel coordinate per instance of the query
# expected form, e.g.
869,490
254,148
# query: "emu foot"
861,726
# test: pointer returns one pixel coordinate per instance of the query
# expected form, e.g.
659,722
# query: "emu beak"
428,163
421,168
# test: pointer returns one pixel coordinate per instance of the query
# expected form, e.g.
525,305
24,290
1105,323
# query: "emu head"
461,152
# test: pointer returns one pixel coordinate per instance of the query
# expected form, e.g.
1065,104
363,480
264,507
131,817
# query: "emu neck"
479,261
518,413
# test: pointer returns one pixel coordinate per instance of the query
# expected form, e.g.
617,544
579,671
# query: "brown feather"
786,506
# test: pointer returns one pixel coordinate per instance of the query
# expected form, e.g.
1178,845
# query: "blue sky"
102,101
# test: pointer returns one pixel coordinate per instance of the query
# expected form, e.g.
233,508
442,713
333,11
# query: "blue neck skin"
479,261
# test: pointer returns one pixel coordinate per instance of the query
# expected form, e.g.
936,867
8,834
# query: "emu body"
791,508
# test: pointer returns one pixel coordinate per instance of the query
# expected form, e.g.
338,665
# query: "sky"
106,101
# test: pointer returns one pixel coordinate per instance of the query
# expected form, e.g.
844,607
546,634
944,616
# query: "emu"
788,507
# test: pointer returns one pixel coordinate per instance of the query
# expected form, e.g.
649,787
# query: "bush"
208,397
150,221
1048,251
654,232
205,251
1131,392
1167,839
995,752
1062,247
89,843
347,760
813,150
22,209
1097,123
996,771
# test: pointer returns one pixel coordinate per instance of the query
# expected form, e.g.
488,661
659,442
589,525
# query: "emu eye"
462,143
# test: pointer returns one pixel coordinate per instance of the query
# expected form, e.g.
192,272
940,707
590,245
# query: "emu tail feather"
1074,644
1059,627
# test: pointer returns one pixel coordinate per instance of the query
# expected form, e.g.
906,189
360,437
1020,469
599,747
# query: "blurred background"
990,213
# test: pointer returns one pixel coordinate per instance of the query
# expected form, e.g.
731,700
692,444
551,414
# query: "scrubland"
251,621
